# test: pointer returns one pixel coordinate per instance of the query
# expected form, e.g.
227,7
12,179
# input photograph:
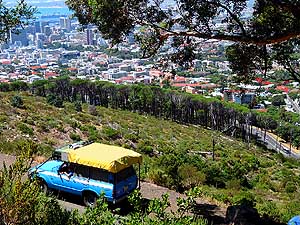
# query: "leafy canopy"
13,18
270,26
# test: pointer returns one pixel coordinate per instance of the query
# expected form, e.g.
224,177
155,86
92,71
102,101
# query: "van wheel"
90,199
43,186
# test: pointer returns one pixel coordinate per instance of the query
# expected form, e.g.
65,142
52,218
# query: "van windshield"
124,174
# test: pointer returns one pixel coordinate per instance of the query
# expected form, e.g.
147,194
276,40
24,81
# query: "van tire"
43,186
90,199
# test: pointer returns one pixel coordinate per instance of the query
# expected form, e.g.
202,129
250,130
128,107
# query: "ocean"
59,11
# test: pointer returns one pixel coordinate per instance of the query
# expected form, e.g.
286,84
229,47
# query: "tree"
55,100
12,18
278,100
16,101
78,106
272,25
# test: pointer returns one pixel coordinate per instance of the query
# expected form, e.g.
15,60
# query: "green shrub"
221,196
270,209
132,137
43,126
234,184
74,124
111,133
290,187
3,118
17,101
25,129
93,110
190,177
144,146
28,120
44,149
78,106
244,198
93,133
75,137
53,123
158,176
55,100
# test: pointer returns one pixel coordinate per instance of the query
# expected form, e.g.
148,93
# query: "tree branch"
234,38
234,17
288,6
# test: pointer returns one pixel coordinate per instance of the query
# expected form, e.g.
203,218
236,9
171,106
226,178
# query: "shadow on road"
208,212
237,215
75,202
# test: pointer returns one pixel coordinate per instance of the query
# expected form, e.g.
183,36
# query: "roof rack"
57,154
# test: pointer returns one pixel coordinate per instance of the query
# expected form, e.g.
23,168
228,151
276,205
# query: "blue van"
90,170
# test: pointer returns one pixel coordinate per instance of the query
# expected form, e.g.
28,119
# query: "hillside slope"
175,154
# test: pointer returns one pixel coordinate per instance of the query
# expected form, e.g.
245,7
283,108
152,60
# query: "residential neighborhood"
57,45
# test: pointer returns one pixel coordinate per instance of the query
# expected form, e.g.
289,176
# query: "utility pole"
213,149
291,140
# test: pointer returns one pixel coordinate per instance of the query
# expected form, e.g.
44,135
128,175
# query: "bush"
145,147
244,198
75,137
290,187
111,133
190,176
17,101
25,129
43,126
234,184
29,120
270,209
3,118
93,110
55,100
78,106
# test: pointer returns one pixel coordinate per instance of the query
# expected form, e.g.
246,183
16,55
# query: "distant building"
47,30
65,23
39,40
67,55
43,24
37,27
33,78
19,38
125,67
89,36
239,98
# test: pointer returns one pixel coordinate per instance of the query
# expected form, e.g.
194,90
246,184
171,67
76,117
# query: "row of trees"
162,103
151,100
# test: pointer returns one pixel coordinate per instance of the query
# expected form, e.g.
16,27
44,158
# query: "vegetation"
237,174
13,18
170,104
16,101
270,33
22,203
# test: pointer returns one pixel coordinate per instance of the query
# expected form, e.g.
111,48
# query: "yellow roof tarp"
108,157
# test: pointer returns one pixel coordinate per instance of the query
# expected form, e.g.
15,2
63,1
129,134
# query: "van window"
82,171
124,174
98,174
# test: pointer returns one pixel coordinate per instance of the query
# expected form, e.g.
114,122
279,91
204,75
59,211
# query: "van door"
100,182
76,181
126,182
